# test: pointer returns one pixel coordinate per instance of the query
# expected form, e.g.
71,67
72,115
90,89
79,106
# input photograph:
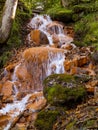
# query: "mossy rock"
46,119
66,90
61,14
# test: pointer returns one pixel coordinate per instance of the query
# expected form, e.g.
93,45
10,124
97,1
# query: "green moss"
62,89
24,12
86,30
4,58
46,119
60,13
70,126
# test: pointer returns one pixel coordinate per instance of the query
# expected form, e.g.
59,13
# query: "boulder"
7,89
38,38
64,89
54,28
39,62
4,119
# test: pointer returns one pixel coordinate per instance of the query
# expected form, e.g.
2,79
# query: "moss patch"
46,119
62,89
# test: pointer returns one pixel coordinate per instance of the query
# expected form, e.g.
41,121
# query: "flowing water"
44,62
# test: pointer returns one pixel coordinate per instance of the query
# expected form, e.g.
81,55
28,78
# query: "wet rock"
54,27
42,59
19,126
1,87
7,89
96,92
4,119
68,46
38,38
37,102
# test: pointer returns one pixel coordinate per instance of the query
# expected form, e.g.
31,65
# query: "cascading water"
39,62
46,25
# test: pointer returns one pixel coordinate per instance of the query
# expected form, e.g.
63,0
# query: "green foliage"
46,119
24,12
59,13
86,30
4,58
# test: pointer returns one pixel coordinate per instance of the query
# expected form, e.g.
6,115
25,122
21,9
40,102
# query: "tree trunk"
64,3
7,19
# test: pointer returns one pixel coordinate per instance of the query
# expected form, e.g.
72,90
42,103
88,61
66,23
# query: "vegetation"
65,90
46,119
24,12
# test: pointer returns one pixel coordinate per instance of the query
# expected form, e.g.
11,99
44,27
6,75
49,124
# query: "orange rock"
67,47
7,89
20,126
74,70
22,73
53,27
0,87
4,119
67,65
37,105
10,68
82,61
38,38
55,38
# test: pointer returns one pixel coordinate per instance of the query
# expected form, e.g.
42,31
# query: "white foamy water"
55,63
14,109
43,22
40,22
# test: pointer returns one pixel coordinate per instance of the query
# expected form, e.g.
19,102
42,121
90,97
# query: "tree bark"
64,3
7,19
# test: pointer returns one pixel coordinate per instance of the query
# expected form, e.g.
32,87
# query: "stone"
7,89
40,59
38,38
96,92
4,119
54,27
37,102
1,87
68,47
19,126
55,39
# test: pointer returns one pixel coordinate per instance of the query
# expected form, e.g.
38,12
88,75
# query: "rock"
7,89
46,119
19,126
54,27
22,120
37,102
66,90
69,31
96,92
4,119
55,40
10,67
1,87
68,46
38,38
39,59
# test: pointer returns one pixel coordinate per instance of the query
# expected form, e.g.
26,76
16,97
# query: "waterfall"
38,63
46,25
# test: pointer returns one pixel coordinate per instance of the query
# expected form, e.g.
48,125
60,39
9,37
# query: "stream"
23,82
